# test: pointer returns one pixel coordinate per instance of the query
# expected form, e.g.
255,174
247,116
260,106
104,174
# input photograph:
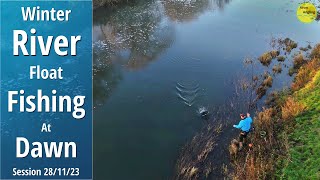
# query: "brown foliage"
277,68
298,61
291,108
267,57
257,163
267,81
305,74
281,58
315,53
288,43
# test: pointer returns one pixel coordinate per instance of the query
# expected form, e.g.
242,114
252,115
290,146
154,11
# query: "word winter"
62,44
44,15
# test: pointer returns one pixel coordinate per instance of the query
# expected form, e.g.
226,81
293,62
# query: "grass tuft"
267,57
315,53
277,69
298,61
281,58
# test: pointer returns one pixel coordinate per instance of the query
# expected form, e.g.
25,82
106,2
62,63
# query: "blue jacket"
244,124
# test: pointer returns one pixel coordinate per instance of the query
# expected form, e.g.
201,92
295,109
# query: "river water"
156,63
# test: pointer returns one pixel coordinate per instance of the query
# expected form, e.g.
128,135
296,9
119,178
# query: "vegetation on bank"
287,131
279,143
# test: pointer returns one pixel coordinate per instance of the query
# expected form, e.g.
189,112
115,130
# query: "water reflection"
135,35
131,36
188,10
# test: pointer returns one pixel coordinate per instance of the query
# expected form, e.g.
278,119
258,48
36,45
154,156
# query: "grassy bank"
303,159
287,131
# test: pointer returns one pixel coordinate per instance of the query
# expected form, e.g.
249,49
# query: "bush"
315,53
291,109
277,68
265,58
305,74
281,58
268,81
292,71
288,43
263,119
298,61
274,53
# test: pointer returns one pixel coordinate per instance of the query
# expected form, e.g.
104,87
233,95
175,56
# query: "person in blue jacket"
245,126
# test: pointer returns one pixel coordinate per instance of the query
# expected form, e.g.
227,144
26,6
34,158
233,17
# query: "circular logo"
307,12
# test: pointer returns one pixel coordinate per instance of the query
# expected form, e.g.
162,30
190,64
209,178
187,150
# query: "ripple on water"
188,93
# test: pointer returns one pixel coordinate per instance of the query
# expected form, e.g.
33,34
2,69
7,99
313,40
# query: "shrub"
268,81
288,43
292,71
263,119
281,58
305,74
304,48
274,53
277,68
291,109
315,53
298,61
261,91
265,58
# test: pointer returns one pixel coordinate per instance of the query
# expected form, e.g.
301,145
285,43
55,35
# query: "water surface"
157,62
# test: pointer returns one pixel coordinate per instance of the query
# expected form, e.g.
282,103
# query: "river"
156,63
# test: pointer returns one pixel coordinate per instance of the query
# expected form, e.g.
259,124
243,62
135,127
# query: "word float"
62,45
45,73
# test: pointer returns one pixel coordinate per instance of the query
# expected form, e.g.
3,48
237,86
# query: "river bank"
284,140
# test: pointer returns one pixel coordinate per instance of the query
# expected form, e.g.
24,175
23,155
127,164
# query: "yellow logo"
307,12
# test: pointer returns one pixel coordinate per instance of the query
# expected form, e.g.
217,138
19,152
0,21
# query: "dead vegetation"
233,149
291,108
257,162
288,44
267,57
270,137
281,58
266,83
193,162
315,53
305,73
268,80
298,61
277,69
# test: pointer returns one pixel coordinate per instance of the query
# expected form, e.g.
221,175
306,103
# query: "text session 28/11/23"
46,172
